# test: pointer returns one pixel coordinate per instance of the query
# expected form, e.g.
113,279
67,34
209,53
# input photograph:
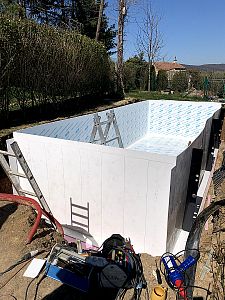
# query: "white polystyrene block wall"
128,191
179,118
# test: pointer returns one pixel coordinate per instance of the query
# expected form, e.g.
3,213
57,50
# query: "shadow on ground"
66,292
6,211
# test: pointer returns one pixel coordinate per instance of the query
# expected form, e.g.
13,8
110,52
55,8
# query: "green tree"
221,90
129,76
135,73
80,15
196,79
12,8
180,81
162,80
87,15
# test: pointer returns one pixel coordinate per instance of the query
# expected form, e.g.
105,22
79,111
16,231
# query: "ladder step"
116,138
17,174
13,176
79,206
79,215
80,224
28,193
7,153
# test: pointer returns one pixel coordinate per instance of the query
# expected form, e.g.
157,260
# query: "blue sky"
193,30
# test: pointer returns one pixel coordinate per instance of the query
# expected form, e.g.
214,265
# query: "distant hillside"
207,67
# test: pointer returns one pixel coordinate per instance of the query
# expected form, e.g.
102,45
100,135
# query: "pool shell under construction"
139,191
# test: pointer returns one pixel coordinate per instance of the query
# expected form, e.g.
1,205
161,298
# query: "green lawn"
158,96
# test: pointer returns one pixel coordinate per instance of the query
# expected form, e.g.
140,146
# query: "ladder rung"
79,206
17,174
28,193
79,215
37,192
103,123
7,153
78,223
116,138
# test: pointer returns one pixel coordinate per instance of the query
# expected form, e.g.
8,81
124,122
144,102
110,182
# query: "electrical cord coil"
135,277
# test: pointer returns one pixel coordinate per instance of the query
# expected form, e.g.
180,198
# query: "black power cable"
28,286
8,295
135,278
26,257
43,272
36,288
194,238
3,285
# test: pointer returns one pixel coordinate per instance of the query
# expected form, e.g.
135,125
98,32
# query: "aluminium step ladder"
103,135
13,176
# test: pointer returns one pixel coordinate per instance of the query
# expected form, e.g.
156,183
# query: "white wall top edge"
167,159
181,241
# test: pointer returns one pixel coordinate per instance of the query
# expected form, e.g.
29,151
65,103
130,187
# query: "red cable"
35,205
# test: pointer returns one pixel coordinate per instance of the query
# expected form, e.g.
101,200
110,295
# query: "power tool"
175,273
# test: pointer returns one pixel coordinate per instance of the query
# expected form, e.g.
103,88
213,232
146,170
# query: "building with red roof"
170,67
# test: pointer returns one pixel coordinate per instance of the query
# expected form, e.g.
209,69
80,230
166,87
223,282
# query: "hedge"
48,64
